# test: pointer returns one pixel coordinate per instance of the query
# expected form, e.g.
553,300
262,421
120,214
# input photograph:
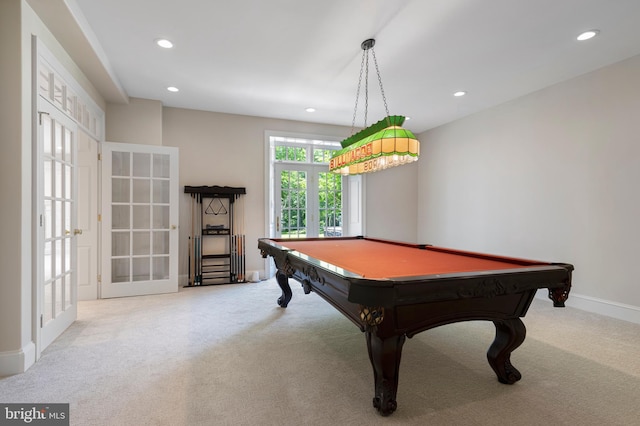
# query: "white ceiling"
274,58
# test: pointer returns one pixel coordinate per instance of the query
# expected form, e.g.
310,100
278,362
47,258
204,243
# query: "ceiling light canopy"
380,146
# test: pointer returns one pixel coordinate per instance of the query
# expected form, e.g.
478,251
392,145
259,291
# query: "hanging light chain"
355,110
384,98
364,67
366,89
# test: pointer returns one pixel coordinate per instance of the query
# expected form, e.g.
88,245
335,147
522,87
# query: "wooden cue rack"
216,239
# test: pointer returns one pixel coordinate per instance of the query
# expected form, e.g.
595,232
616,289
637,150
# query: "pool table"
393,290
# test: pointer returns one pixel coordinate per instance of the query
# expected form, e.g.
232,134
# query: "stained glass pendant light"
380,146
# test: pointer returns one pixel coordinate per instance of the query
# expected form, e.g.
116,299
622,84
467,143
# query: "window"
306,199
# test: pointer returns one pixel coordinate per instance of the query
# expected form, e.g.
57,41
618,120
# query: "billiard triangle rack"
216,239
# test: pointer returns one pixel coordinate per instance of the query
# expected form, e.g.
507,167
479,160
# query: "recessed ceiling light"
310,109
407,118
172,89
587,35
163,42
459,93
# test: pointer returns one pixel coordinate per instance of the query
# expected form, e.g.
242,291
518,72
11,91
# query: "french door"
308,201
140,217
56,222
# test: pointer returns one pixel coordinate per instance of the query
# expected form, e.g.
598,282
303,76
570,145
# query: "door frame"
109,289
53,83
61,323
312,215
353,192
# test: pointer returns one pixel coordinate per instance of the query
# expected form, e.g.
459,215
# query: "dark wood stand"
226,264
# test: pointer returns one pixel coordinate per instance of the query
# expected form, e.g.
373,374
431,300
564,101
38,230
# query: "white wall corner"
599,306
16,362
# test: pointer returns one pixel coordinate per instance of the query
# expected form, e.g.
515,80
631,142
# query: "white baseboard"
16,362
600,306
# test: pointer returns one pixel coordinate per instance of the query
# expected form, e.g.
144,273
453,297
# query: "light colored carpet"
228,355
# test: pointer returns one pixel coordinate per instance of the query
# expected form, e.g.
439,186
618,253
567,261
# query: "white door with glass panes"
56,222
140,218
308,201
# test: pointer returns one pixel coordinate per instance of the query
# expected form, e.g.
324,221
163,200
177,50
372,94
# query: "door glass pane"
48,260
67,291
141,243
120,164
120,190
67,217
58,218
59,286
120,270
141,164
48,219
57,140
294,204
160,191
58,255
160,268
120,217
48,178
330,204
160,217
67,145
120,243
161,242
48,303
67,182
141,190
161,165
141,217
58,178
141,268
67,257
46,134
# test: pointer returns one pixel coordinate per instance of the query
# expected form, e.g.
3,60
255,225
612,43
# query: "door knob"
77,231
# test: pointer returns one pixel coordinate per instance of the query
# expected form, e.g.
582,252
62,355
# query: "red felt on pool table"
375,259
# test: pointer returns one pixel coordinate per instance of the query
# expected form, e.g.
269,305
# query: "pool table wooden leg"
384,353
510,334
283,282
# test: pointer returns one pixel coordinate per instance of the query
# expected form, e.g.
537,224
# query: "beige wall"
12,103
554,176
139,121
228,150
391,204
